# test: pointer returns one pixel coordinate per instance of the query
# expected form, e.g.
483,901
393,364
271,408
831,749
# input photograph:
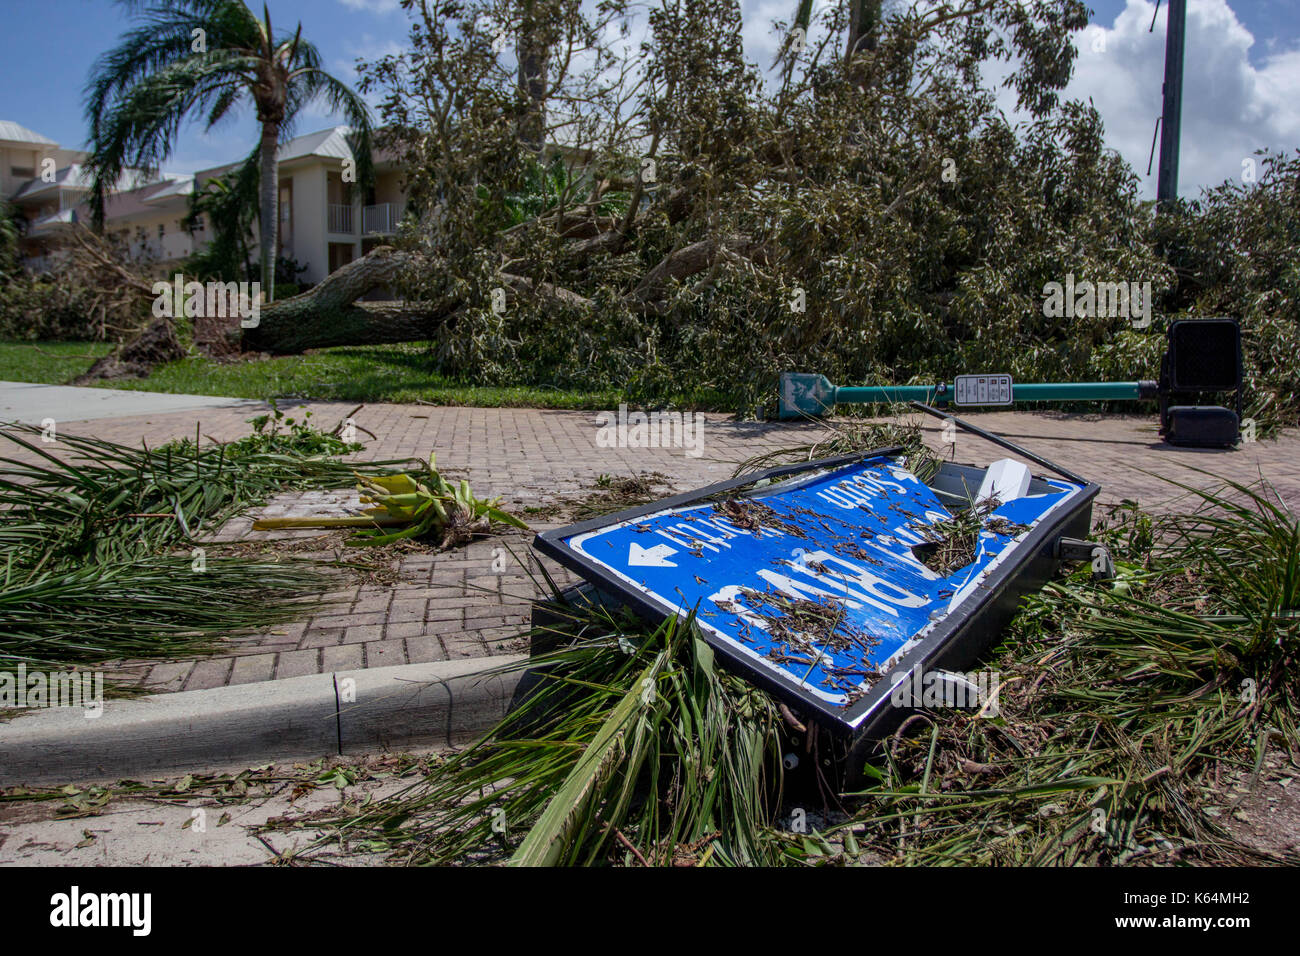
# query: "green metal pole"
866,394
1076,391
1044,392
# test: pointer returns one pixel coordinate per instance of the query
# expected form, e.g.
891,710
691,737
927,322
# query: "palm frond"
632,747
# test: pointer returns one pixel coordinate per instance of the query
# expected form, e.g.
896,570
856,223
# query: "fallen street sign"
814,583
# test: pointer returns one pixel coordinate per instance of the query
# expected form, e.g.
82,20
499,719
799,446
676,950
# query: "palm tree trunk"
269,227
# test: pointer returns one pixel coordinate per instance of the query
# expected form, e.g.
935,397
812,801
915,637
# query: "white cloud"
762,42
367,47
1230,106
372,6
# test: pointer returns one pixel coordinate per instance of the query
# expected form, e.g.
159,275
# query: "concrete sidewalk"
214,820
34,404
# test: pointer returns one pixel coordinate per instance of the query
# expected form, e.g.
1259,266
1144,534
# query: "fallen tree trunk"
329,313
309,325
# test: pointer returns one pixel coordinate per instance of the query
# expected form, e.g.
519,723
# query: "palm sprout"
432,507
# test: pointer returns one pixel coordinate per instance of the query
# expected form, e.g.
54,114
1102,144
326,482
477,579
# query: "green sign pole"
804,394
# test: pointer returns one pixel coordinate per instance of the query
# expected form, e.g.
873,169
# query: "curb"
440,705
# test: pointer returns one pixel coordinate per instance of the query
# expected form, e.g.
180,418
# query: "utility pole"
1172,109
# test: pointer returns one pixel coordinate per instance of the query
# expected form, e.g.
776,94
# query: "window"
22,172
162,230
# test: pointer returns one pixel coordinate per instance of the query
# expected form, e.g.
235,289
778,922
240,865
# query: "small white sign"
983,390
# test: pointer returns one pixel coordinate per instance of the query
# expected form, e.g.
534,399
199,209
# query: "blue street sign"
812,584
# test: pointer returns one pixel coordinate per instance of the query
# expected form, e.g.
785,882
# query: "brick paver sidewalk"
462,604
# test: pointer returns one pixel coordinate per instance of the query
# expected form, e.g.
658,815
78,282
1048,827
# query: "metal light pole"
1171,111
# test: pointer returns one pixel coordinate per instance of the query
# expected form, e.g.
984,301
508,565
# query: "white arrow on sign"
656,557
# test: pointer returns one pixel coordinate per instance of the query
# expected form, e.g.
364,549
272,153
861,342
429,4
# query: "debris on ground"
427,507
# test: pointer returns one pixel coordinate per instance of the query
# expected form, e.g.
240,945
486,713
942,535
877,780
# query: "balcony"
381,219
340,218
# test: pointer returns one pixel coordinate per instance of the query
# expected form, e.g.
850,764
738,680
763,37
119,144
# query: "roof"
129,202
119,205
179,186
11,132
329,143
77,176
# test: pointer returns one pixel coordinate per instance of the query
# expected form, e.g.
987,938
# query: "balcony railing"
340,218
381,219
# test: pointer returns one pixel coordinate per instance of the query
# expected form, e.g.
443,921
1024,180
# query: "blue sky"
1242,87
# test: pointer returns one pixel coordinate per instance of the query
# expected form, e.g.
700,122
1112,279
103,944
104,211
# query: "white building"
326,220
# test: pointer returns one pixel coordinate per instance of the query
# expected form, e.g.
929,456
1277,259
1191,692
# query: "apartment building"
326,219
25,155
50,188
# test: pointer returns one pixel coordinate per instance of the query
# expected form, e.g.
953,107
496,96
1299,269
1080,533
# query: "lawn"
370,373
48,363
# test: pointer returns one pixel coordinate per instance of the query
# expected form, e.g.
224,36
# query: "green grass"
365,373
47,363
362,373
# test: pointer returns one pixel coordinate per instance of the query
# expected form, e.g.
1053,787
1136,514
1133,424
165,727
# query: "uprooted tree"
329,314
630,204
693,224
875,216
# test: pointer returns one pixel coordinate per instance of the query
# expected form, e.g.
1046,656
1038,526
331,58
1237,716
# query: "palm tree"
208,56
